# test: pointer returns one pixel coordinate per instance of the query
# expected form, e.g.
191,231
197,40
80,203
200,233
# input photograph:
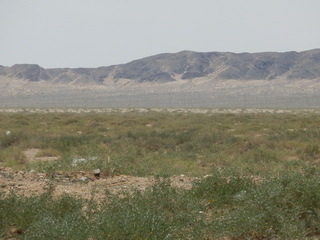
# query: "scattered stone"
33,182
240,195
182,176
96,172
123,179
41,175
207,176
76,161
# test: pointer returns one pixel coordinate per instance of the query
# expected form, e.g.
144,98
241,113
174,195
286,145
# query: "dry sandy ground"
31,183
169,110
82,184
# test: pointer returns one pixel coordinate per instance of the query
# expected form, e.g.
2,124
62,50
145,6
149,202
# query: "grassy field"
263,172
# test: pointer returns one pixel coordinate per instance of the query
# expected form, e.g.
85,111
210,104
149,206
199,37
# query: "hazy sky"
93,33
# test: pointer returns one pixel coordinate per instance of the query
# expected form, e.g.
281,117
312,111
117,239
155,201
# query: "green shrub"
223,205
12,156
159,213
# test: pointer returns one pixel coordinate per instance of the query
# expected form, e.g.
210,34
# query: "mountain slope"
184,65
184,79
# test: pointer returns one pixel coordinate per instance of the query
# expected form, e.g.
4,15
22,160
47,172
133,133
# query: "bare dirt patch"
81,184
31,155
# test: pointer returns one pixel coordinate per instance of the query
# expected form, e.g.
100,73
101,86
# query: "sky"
94,33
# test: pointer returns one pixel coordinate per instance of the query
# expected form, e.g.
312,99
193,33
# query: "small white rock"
78,160
207,176
83,178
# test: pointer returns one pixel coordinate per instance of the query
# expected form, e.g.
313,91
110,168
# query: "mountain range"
183,65
287,73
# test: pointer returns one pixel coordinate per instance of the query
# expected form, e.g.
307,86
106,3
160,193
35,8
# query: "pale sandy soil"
33,183
169,110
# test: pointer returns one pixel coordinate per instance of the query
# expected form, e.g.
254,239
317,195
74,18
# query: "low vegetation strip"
217,207
160,143
262,175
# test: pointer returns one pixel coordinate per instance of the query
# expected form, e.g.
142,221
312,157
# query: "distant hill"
183,65
220,79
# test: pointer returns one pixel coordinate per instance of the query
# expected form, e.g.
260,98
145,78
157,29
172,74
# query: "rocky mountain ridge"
184,79
184,65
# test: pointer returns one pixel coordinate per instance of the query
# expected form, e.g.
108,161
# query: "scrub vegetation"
261,175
